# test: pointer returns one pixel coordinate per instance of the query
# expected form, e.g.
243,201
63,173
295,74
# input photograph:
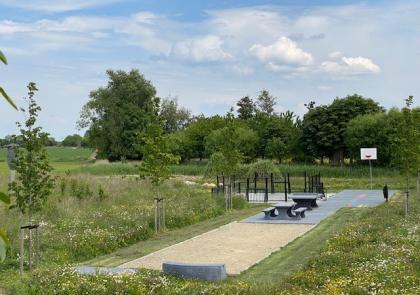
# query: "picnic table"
285,210
307,200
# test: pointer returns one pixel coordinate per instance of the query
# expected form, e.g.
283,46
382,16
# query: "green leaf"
4,198
4,241
3,58
4,94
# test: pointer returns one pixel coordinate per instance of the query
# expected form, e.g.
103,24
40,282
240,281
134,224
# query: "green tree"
226,155
196,133
266,103
246,108
277,149
324,127
407,149
2,92
379,130
74,140
157,154
34,182
175,118
117,114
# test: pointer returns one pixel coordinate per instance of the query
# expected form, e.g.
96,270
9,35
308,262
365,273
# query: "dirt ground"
237,245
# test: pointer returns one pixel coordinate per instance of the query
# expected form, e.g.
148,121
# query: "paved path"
346,198
237,245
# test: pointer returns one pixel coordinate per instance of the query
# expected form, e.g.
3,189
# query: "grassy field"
99,214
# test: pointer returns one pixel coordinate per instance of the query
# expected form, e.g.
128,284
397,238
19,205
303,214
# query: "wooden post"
266,190
30,249
163,215
22,253
239,187
217,184
223,181
247,189
156,216
37,246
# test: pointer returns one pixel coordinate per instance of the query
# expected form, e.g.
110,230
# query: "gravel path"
238,245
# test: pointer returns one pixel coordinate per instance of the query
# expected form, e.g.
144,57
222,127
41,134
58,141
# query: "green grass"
60,154
169,238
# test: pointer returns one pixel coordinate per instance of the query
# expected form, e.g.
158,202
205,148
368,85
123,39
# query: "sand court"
237,245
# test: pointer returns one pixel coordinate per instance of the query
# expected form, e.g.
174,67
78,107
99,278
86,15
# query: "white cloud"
56,5
350,66
201,49
283,52
242,70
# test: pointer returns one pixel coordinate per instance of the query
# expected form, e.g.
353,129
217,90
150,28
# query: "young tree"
407,155
276,149
266,103
74,140
157,155
246,108
34,182
2,92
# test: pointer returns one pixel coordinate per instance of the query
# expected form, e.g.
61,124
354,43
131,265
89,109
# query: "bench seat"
269,212
300,212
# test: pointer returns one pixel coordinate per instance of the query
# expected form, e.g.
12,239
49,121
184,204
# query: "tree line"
118,115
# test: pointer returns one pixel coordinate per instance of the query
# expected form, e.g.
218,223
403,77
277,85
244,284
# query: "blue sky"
208,53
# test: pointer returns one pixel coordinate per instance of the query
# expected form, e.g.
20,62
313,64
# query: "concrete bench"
207,272
269,212
300,212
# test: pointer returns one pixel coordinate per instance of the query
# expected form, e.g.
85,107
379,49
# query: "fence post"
289,188
223,181
217,184
255,183
247,189
239,187
272,183
285,190
304,175
266,190
22,252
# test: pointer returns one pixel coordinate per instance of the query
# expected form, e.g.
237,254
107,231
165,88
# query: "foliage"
193,141
34,182
266,103
276,149
119,113
157,154
4,199
380,130
246,108
263,168
407,155
175,118
74,140
226,155
324,127
2,92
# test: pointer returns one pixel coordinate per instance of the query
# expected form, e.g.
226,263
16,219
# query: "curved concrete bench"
207,272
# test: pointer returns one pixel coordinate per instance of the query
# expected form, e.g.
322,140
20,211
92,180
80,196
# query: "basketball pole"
370,171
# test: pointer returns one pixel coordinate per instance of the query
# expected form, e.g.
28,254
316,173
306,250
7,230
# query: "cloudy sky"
208,53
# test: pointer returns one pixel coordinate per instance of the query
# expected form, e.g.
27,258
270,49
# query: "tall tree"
324,127
246,108
118,113
174,117
2,92
34,182
266,103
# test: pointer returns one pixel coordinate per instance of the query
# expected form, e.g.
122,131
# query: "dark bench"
269,212
206,271
300,212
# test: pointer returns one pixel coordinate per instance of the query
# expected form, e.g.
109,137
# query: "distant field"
60,154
